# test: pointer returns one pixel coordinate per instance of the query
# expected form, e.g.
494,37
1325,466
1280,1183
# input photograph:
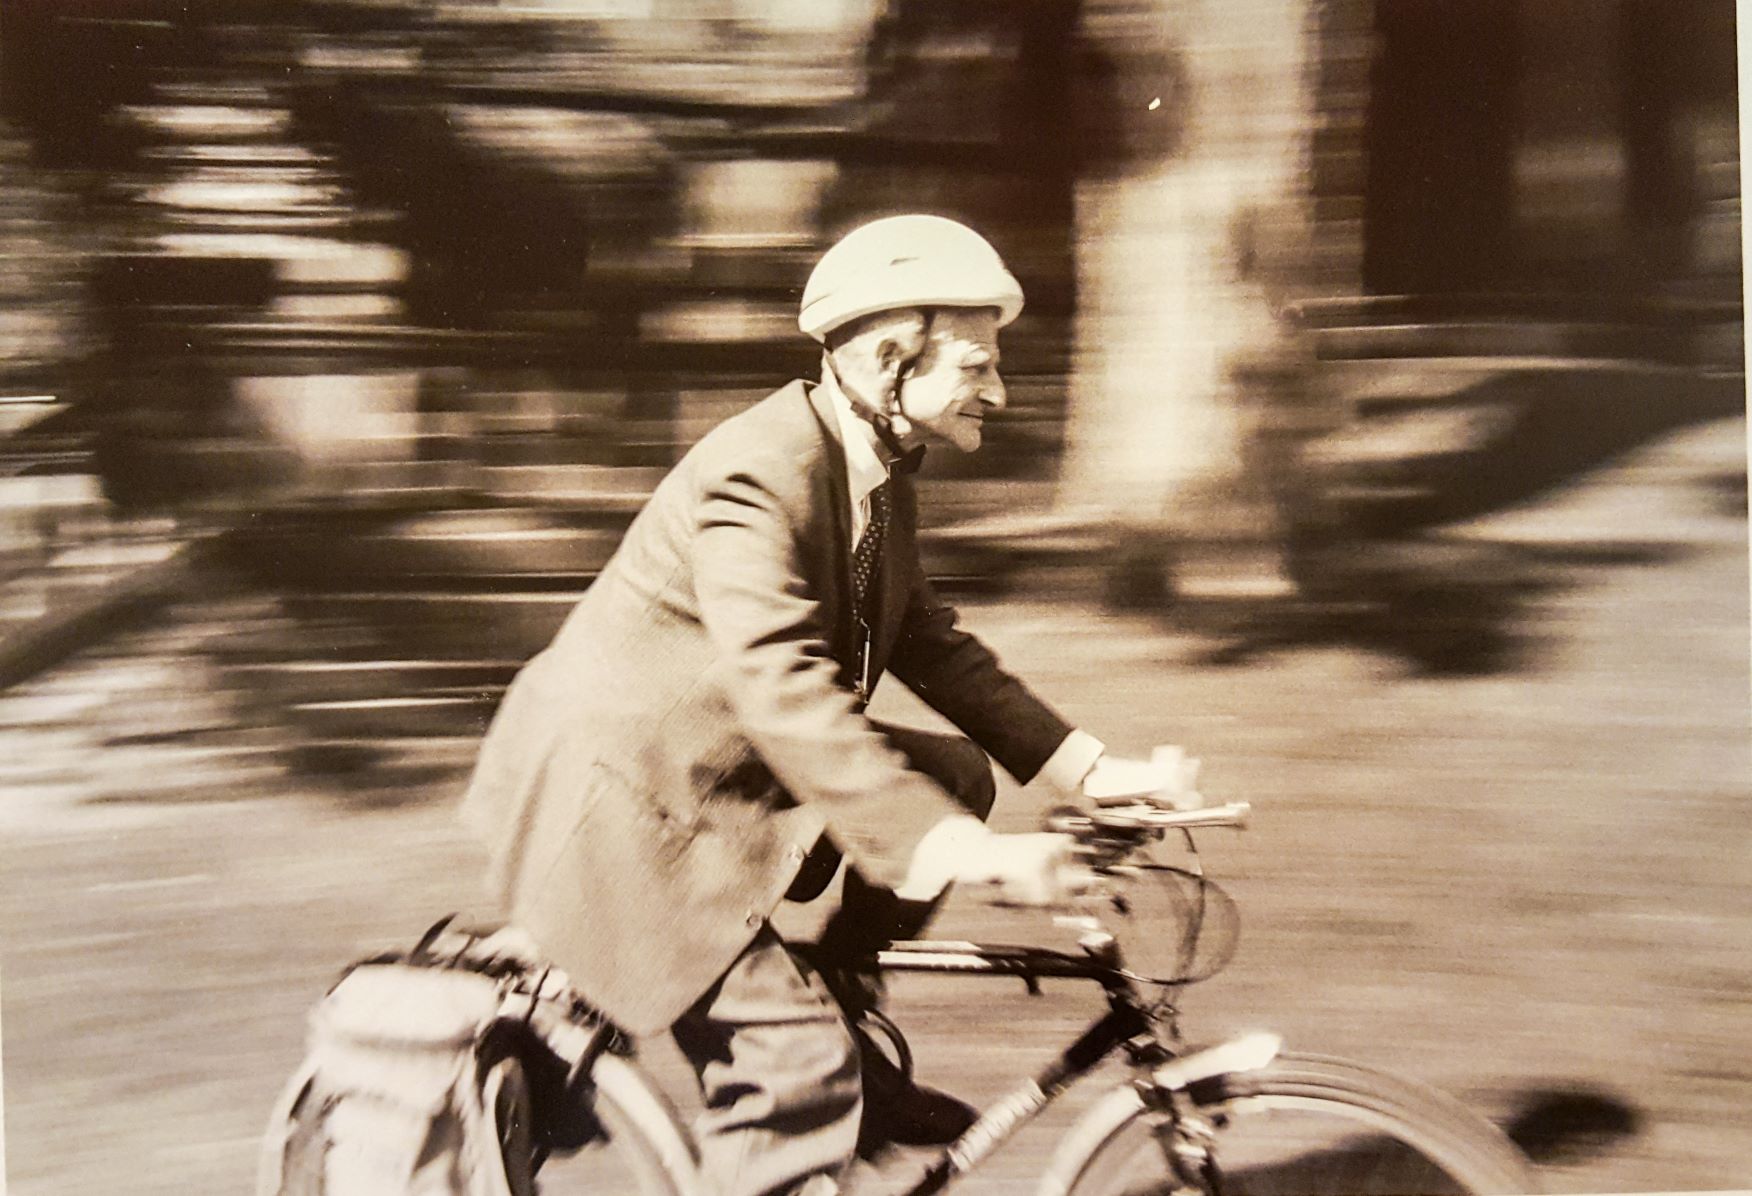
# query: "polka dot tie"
869,551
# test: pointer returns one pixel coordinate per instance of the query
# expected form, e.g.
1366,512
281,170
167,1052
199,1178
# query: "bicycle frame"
1127,1024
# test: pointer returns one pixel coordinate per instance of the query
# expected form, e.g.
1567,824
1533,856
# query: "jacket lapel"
839,499
894,568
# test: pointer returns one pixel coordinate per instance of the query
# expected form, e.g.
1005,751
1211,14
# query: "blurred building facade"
627,191
437,290
1305,199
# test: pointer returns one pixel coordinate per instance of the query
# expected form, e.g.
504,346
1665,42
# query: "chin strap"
901,460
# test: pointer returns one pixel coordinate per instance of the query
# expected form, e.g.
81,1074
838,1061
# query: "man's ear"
891,358
901,346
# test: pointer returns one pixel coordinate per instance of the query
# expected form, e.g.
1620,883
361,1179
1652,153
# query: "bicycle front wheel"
1304,1126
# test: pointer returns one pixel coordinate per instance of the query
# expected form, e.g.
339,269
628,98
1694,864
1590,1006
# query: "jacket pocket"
657,805
746,783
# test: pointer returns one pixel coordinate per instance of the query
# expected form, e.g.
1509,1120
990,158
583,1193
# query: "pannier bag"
450,1070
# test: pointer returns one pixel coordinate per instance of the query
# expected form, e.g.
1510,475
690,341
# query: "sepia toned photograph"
873,597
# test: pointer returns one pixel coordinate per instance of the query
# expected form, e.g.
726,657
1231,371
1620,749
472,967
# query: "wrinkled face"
954,383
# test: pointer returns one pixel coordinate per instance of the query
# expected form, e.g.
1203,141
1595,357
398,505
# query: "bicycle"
1240,1117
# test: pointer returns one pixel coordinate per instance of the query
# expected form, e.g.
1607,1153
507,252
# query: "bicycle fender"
1250,1052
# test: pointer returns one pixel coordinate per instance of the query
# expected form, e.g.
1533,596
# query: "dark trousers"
776,1061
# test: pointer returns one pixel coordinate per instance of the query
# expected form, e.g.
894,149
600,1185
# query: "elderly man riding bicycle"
693,747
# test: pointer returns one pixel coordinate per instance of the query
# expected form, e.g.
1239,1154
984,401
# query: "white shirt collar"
865,469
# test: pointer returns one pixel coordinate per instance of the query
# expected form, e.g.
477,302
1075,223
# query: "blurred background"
1377,430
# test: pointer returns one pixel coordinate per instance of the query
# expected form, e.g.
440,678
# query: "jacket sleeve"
960,678
781,680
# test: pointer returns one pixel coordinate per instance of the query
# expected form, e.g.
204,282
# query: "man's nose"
993,394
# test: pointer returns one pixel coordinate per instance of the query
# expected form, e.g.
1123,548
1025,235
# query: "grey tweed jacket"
656,775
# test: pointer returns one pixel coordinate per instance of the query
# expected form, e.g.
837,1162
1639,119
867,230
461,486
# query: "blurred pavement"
1526,885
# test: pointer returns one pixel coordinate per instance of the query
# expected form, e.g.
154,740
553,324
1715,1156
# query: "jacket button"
754,918
794,852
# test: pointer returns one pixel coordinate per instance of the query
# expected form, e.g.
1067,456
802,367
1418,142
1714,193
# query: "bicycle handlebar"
1147,817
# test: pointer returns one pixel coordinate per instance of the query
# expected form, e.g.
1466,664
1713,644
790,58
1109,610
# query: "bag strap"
423,948
529,984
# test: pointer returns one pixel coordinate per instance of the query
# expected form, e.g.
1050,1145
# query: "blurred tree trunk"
1188,230
42,333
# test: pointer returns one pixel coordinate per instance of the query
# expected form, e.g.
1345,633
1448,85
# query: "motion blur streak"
1376,430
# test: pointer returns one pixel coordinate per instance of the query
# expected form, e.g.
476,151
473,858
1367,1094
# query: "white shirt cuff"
1067,766
937,859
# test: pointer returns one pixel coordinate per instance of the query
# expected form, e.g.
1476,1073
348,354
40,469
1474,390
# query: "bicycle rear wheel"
643,1150
1304,1126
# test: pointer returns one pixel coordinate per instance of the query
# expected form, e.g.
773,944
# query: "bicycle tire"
643,1148
1306,1125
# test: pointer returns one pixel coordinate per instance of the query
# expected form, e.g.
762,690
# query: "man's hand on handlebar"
1057,866
1038,869
1054,868
1168,778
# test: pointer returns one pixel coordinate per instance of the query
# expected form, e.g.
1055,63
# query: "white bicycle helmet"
906,261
